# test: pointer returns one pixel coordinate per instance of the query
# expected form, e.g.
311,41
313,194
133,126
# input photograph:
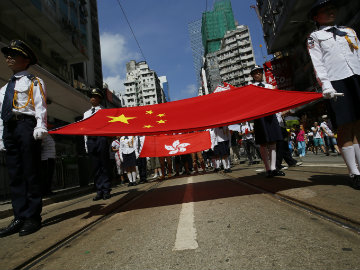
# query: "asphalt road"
211,221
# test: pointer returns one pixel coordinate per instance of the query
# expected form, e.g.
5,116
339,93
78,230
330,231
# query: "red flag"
199,113
172,145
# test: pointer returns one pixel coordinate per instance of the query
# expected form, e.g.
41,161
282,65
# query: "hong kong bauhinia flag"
199,113
172,145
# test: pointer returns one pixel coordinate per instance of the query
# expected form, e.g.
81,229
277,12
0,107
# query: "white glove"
40,133
329,93
2,146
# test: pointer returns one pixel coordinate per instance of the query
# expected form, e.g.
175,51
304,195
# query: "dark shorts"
346,109
222,149
267,129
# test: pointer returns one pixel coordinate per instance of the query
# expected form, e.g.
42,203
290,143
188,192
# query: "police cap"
96,92
22,48
257,67
319,4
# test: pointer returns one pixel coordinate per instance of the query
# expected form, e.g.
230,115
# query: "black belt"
92,137
18,117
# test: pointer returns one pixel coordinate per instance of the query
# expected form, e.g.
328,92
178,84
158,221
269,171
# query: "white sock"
272,154
217,163
130,177
228,162
224,163
348,154
357,153
134,176
265,157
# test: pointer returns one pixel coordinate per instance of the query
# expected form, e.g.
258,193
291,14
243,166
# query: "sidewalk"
60,195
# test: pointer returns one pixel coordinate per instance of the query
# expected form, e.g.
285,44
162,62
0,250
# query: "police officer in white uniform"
267,130
97,148
22,126
335,55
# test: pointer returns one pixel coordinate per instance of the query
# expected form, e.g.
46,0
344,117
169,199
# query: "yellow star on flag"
149,112
148,126
161,114
161,121
122,118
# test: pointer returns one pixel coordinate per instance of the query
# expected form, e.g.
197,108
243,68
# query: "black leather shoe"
30,226
106,196
277,173
97,197
13,227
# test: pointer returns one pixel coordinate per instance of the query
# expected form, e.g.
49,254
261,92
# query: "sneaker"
298,163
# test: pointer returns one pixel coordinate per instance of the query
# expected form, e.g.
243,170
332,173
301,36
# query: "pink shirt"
300,136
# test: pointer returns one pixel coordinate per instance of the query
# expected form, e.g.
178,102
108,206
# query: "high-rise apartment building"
236,57
142,85
165,86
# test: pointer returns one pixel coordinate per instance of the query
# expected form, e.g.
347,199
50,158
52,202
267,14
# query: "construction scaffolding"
215,24
197,48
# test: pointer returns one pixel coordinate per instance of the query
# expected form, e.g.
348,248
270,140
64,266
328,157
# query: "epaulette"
32,78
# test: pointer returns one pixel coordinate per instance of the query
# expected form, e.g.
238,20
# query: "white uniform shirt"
267,85
87,114
222,134
139,147
128,145
116,145
333,59
245,126
22,88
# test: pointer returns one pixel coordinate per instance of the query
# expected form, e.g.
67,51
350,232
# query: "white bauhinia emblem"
176,147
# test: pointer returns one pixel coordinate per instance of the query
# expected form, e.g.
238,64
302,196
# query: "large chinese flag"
172,145
218,109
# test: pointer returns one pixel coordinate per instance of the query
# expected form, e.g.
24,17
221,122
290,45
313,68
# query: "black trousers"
283,151
23,160
248,144
141,163
99,154
47,172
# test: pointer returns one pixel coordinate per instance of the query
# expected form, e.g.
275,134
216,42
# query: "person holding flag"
335,55
267,130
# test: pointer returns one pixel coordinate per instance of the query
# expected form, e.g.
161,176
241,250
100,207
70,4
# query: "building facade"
165,87
236,57
142,85
65,37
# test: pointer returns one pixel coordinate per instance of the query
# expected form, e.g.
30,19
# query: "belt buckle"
16,117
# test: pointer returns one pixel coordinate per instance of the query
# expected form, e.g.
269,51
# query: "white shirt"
245,126
333,59
222,134
87,114
268,86
326,127
22,88
316,131
128,144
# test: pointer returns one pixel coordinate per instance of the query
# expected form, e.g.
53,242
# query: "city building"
65,37
197,48
236,57
142,85
215,24
165,86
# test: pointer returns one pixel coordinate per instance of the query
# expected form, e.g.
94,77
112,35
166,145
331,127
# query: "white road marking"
186,231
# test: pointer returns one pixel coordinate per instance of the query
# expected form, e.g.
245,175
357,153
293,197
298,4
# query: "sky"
161,29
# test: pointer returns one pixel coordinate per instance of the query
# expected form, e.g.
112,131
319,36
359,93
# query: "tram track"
324,214
41,256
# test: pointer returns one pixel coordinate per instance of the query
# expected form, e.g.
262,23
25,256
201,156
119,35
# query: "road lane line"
186,231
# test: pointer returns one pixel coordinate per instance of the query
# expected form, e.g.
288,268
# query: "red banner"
173,145
278,72
199,113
